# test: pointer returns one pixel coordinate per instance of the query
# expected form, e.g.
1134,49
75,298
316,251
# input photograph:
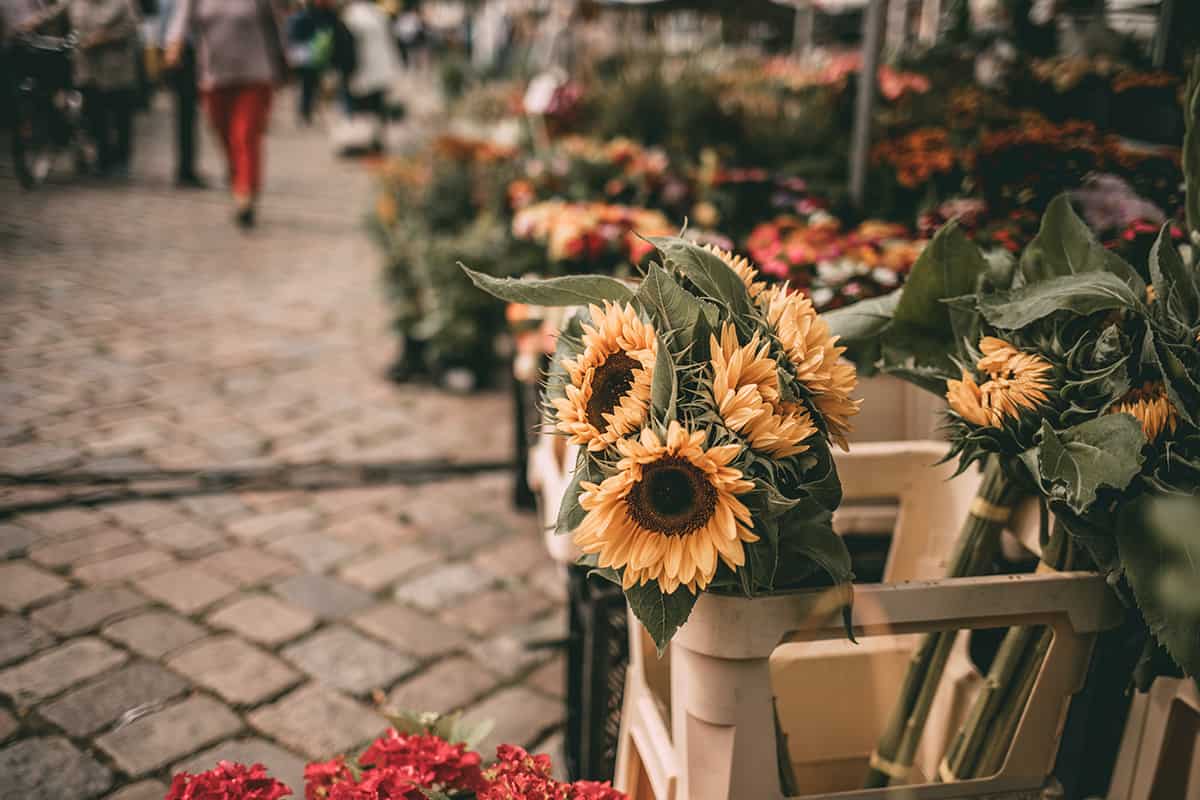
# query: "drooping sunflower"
670,511
816,356
609,392
1150,406
742,267
745,390
1011,380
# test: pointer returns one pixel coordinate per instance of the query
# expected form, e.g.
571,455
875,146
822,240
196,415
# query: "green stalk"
977,543
1005,728
981,739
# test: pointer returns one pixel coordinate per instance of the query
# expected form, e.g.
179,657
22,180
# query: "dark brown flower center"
610,383
673,497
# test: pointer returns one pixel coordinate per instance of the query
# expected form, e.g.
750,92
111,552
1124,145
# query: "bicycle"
48,110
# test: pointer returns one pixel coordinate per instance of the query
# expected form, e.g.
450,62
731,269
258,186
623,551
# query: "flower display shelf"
707,708
1159,755
721,739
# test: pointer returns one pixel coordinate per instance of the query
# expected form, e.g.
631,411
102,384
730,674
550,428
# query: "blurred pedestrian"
310,34
106,72
409,30
240,57
185,94
376,64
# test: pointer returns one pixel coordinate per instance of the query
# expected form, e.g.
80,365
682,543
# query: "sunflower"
609,392
1014,380
742,267
669,512
1150,406
814,353
746,392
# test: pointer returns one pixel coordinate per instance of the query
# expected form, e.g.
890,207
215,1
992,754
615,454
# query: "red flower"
432,761
319,778
594,790
227,781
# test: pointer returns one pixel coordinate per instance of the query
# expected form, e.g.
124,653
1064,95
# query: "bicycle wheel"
33,146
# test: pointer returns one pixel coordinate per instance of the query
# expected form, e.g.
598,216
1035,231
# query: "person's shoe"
244,217
191,181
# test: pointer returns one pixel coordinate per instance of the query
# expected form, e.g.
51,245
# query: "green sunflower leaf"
570,513
1174,283
1150,559
710,274
674,310
571,290
1182,390
923,333
664,387
1080,294
1065,245
661,614
1075,463
863,320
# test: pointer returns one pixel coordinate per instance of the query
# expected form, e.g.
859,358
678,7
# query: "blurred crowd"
105,59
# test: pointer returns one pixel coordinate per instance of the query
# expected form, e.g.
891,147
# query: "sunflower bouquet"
704,404
1073,377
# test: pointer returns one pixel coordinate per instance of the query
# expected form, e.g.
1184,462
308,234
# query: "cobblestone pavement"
140,331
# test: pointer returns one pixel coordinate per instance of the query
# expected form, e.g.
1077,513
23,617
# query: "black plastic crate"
597,656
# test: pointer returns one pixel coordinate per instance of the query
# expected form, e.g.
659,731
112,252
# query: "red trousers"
239,115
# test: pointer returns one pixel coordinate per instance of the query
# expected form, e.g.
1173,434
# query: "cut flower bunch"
1074,376
704,405
424,762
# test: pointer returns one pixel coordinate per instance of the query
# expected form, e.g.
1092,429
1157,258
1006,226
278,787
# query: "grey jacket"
237,42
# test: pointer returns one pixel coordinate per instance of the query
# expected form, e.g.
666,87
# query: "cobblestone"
85,610
54,670
155,633
142,790
122,567
239,672
522,717
15,540
19,638
157,739
346,660
50,768
264,619
381,569
447,686
8,725
147,334
324,596
246,566
440,587
318,722
411,631
92,545
186,589
22,584
103,701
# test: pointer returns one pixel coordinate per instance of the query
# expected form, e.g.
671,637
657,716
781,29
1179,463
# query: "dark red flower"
432,761
227,781
320,777
594,790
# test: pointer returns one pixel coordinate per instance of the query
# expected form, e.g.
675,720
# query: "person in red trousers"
240,58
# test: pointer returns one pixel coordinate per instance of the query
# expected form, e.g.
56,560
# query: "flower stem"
977,543
979,747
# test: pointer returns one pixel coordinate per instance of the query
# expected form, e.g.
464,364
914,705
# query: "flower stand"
1159,757
709,732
